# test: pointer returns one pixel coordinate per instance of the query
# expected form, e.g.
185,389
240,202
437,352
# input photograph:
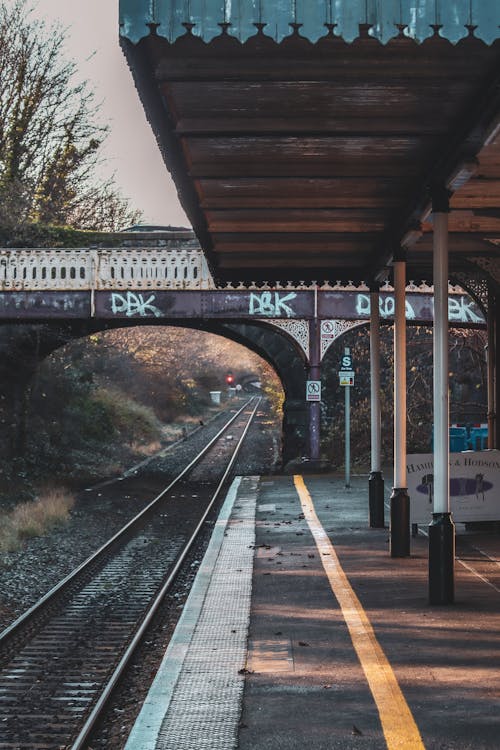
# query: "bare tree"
49,136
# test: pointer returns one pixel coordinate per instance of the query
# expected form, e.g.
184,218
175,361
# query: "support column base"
376,500
400,523
441,559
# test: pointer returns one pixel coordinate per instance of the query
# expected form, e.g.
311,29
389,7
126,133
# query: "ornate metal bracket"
331,330
298,330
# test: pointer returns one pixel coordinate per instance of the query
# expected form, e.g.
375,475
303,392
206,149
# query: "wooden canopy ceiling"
302,161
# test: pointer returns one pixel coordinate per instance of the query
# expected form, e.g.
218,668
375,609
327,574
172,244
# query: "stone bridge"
49,296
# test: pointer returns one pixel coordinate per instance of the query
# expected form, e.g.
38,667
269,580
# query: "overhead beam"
467,137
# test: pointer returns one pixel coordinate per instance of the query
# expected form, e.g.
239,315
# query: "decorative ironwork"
476,285
161,267
490,266
110,268
331,330
296,329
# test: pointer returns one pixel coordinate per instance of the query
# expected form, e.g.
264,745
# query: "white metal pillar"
376,481
441,529
400,501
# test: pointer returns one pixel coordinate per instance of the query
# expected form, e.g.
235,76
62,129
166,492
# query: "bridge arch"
24,346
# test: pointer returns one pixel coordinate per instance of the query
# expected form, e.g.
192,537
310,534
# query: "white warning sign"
313,390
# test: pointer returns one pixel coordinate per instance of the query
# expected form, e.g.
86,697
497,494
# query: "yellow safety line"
398,724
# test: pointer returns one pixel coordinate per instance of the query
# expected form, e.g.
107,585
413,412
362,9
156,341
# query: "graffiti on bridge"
133,304
461,309
271,304
228,305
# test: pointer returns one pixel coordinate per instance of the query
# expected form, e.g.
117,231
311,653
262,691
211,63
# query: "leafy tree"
49,137
467,379
94,402
171,370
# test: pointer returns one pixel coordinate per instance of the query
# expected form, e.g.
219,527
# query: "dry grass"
35,518
146,449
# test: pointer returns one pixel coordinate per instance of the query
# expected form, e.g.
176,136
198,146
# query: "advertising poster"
474,486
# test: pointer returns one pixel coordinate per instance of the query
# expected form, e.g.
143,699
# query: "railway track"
61,661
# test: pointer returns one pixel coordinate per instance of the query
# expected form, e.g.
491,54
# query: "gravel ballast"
27,574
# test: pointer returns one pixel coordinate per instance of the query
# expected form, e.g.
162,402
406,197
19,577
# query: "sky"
131,152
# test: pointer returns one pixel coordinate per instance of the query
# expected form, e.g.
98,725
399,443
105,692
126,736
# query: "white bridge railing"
117,268
108,268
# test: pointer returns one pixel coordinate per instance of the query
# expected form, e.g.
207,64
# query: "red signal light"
230,378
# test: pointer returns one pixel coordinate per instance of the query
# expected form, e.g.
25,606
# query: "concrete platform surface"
344,650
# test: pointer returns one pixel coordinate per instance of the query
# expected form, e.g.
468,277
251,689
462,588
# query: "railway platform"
302,632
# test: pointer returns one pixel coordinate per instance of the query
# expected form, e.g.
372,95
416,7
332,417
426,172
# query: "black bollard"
441,559
376,500
400,523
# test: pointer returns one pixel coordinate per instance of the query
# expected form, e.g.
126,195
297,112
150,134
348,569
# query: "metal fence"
108,268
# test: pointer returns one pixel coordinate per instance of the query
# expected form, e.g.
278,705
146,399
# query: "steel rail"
94,557
92,719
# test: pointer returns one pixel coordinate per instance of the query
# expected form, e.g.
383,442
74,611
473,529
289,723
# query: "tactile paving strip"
205,704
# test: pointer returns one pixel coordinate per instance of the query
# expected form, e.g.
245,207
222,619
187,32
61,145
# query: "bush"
127,416
89,419
97,405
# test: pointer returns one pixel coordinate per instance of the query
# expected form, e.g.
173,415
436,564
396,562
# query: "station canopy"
307,138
